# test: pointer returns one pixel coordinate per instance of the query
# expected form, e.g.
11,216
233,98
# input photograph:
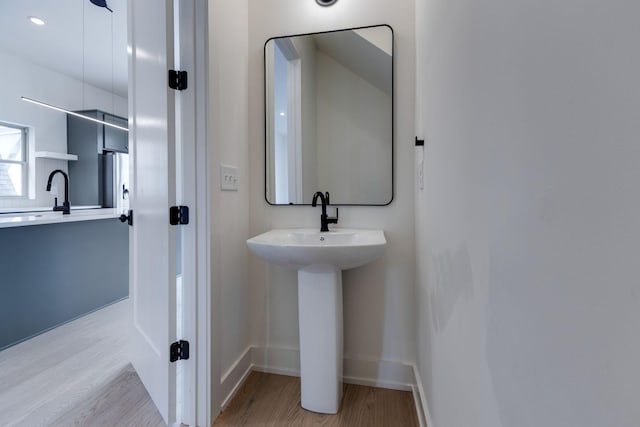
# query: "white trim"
28,164
241,363
417,402
378,373
375,373
205,350
276,360
186,194
294,128
191,114
422,407
235,376
235,388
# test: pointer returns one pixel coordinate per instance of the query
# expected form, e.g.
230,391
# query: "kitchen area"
64,183
63,142
58,266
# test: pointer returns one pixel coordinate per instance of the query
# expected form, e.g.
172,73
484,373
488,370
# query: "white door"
152,240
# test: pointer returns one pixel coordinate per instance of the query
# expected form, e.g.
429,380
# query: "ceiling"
81,40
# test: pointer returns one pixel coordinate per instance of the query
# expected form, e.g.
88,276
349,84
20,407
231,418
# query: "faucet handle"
334,219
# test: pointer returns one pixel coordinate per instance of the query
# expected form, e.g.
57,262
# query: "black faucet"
324,219
65,208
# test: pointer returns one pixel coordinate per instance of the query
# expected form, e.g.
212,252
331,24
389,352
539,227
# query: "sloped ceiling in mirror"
362,55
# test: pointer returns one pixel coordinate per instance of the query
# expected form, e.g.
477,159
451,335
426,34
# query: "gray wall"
50,274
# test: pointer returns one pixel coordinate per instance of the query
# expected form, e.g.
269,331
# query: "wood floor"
79,375
75,375
274,400
122,402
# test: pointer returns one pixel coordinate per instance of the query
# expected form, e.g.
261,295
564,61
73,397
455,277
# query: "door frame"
198,388
191,111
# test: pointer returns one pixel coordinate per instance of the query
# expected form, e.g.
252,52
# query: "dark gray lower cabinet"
54,273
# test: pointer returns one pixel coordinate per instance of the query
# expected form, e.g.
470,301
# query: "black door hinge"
177,80
179,350
178,215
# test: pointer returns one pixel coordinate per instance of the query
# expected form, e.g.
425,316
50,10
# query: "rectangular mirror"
329,117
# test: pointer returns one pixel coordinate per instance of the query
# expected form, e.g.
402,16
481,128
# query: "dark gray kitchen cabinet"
115,139
54,273
90,141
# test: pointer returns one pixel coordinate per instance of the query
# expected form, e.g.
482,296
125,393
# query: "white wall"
527,228
379,320
227,135
23,78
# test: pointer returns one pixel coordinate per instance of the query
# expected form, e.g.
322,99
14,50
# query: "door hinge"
179,350
177,79
178,215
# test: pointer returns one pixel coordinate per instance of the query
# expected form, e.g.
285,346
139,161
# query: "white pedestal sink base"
320,258
320,323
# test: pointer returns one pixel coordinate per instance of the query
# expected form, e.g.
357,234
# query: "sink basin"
319,258
306,248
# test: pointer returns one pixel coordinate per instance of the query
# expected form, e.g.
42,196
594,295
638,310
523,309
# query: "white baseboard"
420,399
286,361
276,360
378,373
235,376
375,373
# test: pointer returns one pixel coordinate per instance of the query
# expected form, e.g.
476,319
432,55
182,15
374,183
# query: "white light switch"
228,178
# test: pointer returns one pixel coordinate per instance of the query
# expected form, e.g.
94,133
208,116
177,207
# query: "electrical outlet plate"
228,178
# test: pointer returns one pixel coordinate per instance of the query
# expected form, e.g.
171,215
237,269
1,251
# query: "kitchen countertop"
38,217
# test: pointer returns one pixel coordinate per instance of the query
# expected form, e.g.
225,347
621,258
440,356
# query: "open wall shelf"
55,156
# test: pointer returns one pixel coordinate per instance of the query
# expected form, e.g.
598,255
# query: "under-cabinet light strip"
82,116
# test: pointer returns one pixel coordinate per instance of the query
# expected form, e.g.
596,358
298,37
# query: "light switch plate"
228,178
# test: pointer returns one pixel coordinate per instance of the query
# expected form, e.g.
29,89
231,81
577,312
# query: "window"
13,160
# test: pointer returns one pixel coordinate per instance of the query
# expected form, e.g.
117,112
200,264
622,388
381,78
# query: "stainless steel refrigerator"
116,181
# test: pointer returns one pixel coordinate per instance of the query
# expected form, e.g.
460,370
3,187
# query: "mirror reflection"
329,117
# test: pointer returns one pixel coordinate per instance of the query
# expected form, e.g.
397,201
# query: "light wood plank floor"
122,402
76,374
274,400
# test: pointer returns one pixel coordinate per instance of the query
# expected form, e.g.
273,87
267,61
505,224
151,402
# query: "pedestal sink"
319,258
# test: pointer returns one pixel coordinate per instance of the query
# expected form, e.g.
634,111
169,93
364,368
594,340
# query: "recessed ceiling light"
36,20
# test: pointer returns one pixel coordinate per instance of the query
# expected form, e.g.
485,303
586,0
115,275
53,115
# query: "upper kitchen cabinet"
82,133
115,139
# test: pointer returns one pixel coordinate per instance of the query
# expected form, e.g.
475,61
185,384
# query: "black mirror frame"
393,83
